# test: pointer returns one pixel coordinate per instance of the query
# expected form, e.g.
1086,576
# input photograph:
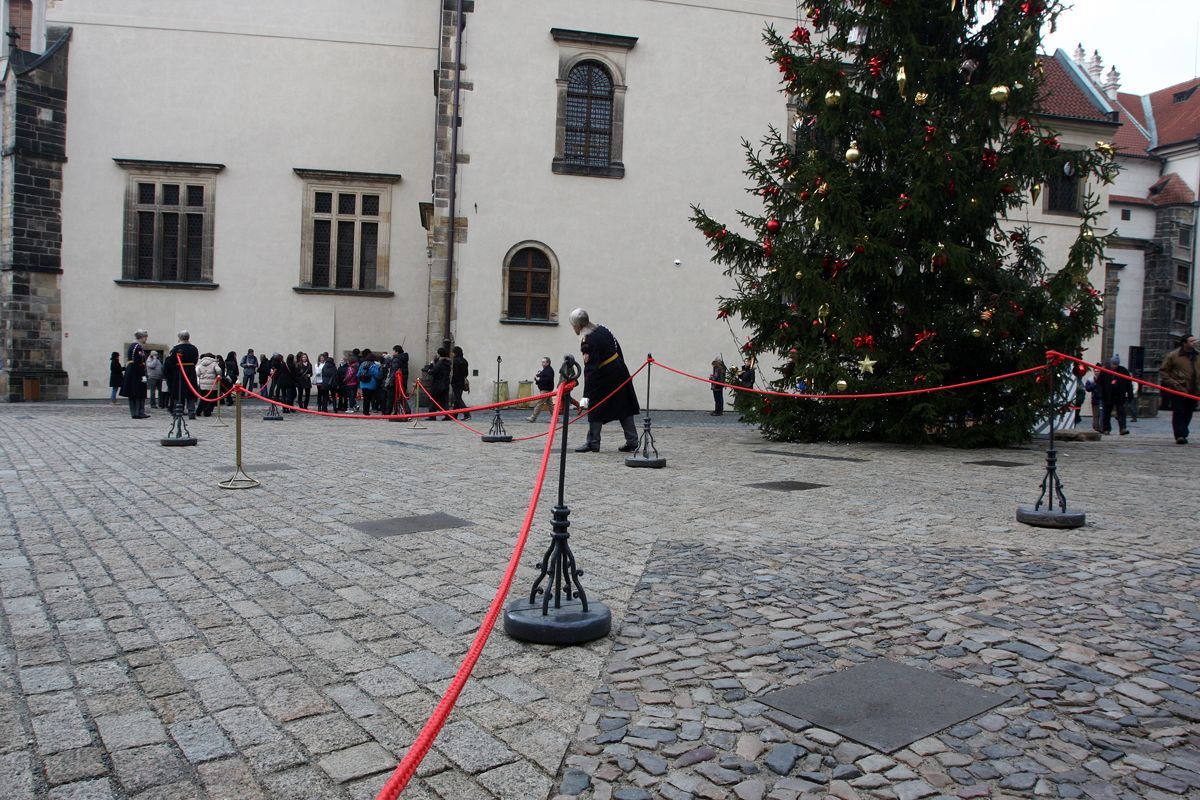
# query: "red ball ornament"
804,195
773,226
877,114
1079,370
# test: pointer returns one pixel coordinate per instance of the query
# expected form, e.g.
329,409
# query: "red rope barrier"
867,396
442,410
488,407
1094,368
236,386
420,746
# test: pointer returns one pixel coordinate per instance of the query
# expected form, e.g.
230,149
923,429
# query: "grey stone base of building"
31,385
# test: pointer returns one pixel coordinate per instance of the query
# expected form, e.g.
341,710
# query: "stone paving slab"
161,637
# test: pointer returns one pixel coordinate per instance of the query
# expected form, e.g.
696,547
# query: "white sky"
1152,43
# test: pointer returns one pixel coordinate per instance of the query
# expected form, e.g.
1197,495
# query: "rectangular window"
168,222
1183,275
345,235
1062,196
1126,214
1179,313
1184,238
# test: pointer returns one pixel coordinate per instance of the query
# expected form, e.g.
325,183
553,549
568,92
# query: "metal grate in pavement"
883,704
418,523
810,455
991,462
786,486
396,443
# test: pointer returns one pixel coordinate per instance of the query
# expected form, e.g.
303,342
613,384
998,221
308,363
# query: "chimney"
1080,55
1112,83
1095,67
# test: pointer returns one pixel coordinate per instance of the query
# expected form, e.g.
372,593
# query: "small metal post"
416,423
1052,487
240,479
497,433
273,413
642,456
571,618
179,436
220,423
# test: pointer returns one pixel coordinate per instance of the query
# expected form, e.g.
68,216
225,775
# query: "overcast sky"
1152,43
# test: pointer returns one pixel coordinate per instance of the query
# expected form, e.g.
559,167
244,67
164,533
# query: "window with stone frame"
346,220
1063,191
530,285
1183,238
589,136
168,223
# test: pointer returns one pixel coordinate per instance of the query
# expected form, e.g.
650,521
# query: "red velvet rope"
1063,356
412,759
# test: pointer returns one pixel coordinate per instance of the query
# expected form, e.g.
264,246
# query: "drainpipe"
458,24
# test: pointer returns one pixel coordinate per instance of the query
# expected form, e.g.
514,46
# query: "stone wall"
1160,333
34,150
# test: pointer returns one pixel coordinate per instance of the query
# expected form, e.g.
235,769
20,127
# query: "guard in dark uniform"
603,371
133,383
186,355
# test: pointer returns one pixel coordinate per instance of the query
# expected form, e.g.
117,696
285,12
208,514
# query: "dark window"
168,245
320,260
346,242
1183,274
1126,214
1179,313
529,285
589,115
1184,239
1062,194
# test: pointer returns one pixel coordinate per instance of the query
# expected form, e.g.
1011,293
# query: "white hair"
184,336
140,333
579,318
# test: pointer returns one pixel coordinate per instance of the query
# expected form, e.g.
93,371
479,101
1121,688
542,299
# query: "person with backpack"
368,381
350,386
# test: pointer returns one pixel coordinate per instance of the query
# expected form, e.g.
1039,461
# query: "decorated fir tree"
881,259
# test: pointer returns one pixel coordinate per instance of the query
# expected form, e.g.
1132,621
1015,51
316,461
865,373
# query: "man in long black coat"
1116,393
603,371
184,353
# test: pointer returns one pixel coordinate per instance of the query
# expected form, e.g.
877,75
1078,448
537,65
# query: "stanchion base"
567,625
652,463
272,419
486,438
171,441
1050,518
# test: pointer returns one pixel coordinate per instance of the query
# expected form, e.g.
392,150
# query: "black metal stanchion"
273,413
240,479
1052,487
416,423
497,433
642,456
570,618
179,436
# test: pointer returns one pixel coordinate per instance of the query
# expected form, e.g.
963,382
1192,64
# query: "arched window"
530,284
589,115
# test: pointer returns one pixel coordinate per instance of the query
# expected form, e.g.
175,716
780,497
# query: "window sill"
560,167
543,322
144,284
346,292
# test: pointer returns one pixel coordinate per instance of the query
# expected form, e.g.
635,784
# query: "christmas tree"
881,259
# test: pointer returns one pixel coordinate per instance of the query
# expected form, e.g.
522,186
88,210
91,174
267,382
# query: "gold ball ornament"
853,154
999,94
833,98
921,98
976,333
973,202
842,386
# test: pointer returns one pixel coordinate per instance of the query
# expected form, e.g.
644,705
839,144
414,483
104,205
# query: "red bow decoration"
875,66
865,340
922,338
801,35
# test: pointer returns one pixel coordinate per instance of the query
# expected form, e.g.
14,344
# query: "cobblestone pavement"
163,638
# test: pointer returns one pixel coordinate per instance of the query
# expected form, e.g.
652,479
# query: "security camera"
678,263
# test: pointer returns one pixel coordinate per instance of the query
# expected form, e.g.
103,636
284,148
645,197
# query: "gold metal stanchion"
220,423
416,424
240,479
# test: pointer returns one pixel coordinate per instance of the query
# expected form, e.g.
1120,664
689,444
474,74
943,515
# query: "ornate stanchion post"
273,413
564,615
240,479
220,423
642,456
416,423
179,436
496,433
1052,487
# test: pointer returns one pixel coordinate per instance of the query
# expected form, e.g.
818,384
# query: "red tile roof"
1170,190
1127,200
1063,98
1131,138
1177,120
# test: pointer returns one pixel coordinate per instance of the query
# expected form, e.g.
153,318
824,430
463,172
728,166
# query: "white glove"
583,402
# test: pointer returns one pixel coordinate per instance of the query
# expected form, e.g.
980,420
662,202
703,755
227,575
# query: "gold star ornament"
867,365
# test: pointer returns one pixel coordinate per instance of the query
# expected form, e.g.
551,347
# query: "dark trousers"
368,397
153,390
322,398
137,406
719,400
456,400
1117,405
305,396
627,425
1181,415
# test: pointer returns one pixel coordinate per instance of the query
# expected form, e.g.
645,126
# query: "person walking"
1180,372
116,376
458,380
304,379
544,380
1115,393
133,381
154,378
208,381
368,381
717,376
605,377
250,370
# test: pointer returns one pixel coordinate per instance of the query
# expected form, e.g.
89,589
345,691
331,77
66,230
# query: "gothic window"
589,137
530,285
589,115
346,220
168,223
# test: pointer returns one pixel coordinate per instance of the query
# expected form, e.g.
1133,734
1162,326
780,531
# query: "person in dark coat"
458,379
133,382
1116,393
264,371
439,379
230,377
116,375
181,363
603,371
283,381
